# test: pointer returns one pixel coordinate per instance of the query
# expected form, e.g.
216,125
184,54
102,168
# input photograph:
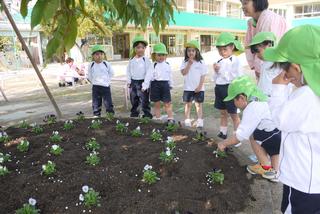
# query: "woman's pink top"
267,22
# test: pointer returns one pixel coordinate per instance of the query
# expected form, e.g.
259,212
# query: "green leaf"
37,12
24,8
52,46
71,33
50,9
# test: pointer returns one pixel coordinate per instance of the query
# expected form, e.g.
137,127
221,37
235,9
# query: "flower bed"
181,184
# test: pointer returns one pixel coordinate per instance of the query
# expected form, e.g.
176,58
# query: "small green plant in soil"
56,150
55,137
136,132
3,170
29,208
170,143
215,177
92,144
50,119
68,125
200,136
80,116
24,124
36,128
95,124
109,116
49,168
23,146
4,137
144,120
220,154
167,156
93,159
4,158
172,127
90,197
155,135
149,176
121,127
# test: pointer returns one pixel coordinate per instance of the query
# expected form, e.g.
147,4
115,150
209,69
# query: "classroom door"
121,45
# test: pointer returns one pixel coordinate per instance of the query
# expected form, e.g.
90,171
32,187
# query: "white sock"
224,129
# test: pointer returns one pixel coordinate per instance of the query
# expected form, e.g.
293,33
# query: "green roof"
303,21
208,21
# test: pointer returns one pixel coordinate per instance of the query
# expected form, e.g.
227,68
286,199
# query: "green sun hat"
139,38
300,45
192,44
160,48
226,38
247,86
97,48
263,36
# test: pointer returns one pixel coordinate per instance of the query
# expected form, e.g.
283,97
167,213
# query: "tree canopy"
65,17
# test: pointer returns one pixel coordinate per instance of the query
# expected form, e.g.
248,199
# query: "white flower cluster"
55,133
170,139
32,201
44,167
168,151
55,147
127,124
33,125
147,167
68,121
138,128
24,142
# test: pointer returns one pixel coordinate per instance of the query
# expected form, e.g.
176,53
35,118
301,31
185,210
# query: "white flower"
55,132
81,197
44,167
138,128
32,201
169,139
168,152
85,189
153,130
147,167
49,162
1,159
54,147
127,124
33,124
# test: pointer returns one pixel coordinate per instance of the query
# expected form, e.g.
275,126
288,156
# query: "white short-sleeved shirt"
192,79
230,68
161,72
267,73
256,115
138,68
297,116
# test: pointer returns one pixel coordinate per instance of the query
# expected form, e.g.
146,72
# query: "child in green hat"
268,70
226,69
161,82
297,115
256,125
138,68
100,73
194,71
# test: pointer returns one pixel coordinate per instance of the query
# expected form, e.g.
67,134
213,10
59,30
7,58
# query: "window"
233,10
210,7
281,12
307,10
182,5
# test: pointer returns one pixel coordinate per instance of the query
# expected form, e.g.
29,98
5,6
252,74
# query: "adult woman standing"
262,20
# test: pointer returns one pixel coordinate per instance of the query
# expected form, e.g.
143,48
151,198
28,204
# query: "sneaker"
171,121
199,123
271,175
222,136
256,169
187,122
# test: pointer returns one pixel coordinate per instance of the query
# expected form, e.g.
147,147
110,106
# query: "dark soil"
182,187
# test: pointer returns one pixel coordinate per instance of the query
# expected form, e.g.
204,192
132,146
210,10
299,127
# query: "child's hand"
143,90
221,146
281,79
216,67
198,89
190,61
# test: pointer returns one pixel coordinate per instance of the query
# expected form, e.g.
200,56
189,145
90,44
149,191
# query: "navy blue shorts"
221,92
189,96
270,141
160,91
299,202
